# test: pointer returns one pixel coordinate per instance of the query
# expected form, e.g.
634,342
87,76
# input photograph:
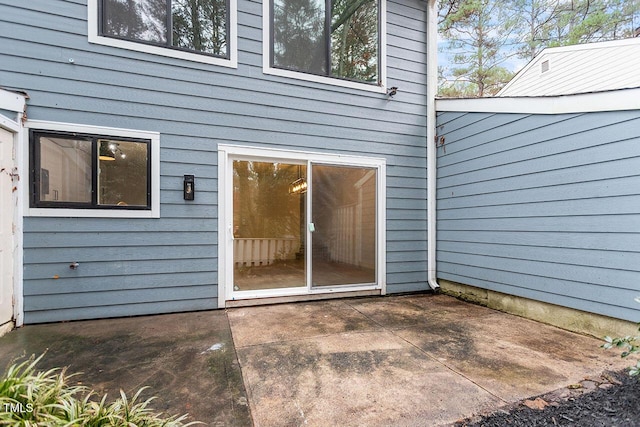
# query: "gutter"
432,89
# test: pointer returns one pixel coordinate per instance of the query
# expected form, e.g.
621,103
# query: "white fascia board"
8,124
11,101
90,129
616,100
523,71
594,45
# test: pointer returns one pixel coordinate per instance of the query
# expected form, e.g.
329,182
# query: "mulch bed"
612,399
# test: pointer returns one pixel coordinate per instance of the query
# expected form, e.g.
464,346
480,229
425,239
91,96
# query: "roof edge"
540,56
12,100
613,100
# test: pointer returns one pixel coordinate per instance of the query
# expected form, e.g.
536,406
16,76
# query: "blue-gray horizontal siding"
542,206
143,266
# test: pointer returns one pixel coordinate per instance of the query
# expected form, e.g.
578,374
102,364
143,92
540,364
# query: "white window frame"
232,62
268,69
226,155
154,137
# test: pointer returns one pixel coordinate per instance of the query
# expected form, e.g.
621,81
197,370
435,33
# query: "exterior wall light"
189,189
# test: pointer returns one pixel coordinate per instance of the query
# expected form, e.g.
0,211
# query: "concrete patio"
415,360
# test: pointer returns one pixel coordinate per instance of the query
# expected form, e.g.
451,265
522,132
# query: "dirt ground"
610,400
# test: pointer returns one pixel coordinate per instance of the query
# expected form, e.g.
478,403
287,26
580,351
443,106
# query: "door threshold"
299,298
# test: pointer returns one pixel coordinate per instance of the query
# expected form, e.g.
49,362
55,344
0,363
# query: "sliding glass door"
269,233
343,250
299,226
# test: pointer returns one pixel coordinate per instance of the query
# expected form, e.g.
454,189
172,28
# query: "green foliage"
483,36
477,32
338,38
458,90
354,39
200,25
584,21
35,398
629,345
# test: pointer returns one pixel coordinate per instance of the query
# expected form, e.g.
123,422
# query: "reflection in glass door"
344,225
269,217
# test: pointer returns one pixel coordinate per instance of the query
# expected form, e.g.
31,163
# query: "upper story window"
194,25
336,39
196,30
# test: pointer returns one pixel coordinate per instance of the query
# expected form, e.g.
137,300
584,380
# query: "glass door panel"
343,250
269,217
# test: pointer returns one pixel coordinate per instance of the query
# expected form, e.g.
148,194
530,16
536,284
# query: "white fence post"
263,251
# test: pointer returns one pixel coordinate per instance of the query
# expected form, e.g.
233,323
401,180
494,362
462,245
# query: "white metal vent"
545,66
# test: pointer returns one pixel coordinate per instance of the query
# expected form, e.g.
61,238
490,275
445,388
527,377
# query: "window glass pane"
122,173
344,218
354,39
269,225
65,170
143,20
299,36
200,25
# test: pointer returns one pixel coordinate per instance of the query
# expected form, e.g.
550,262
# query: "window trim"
92,212
227,153
232,62
35,163
267,37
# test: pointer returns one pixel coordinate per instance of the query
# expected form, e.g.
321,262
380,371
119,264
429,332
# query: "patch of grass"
44,398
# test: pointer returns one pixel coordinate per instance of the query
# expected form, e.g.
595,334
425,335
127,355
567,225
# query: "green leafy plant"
35,398
629,345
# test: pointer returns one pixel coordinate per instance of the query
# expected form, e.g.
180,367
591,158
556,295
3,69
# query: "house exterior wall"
582,68
168,264
542,206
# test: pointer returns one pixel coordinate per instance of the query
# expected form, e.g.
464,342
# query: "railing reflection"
264,251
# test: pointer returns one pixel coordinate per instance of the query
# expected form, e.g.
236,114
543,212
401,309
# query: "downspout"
432,89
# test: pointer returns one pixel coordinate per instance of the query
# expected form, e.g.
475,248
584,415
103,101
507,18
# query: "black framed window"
334,38
200,26
83,171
